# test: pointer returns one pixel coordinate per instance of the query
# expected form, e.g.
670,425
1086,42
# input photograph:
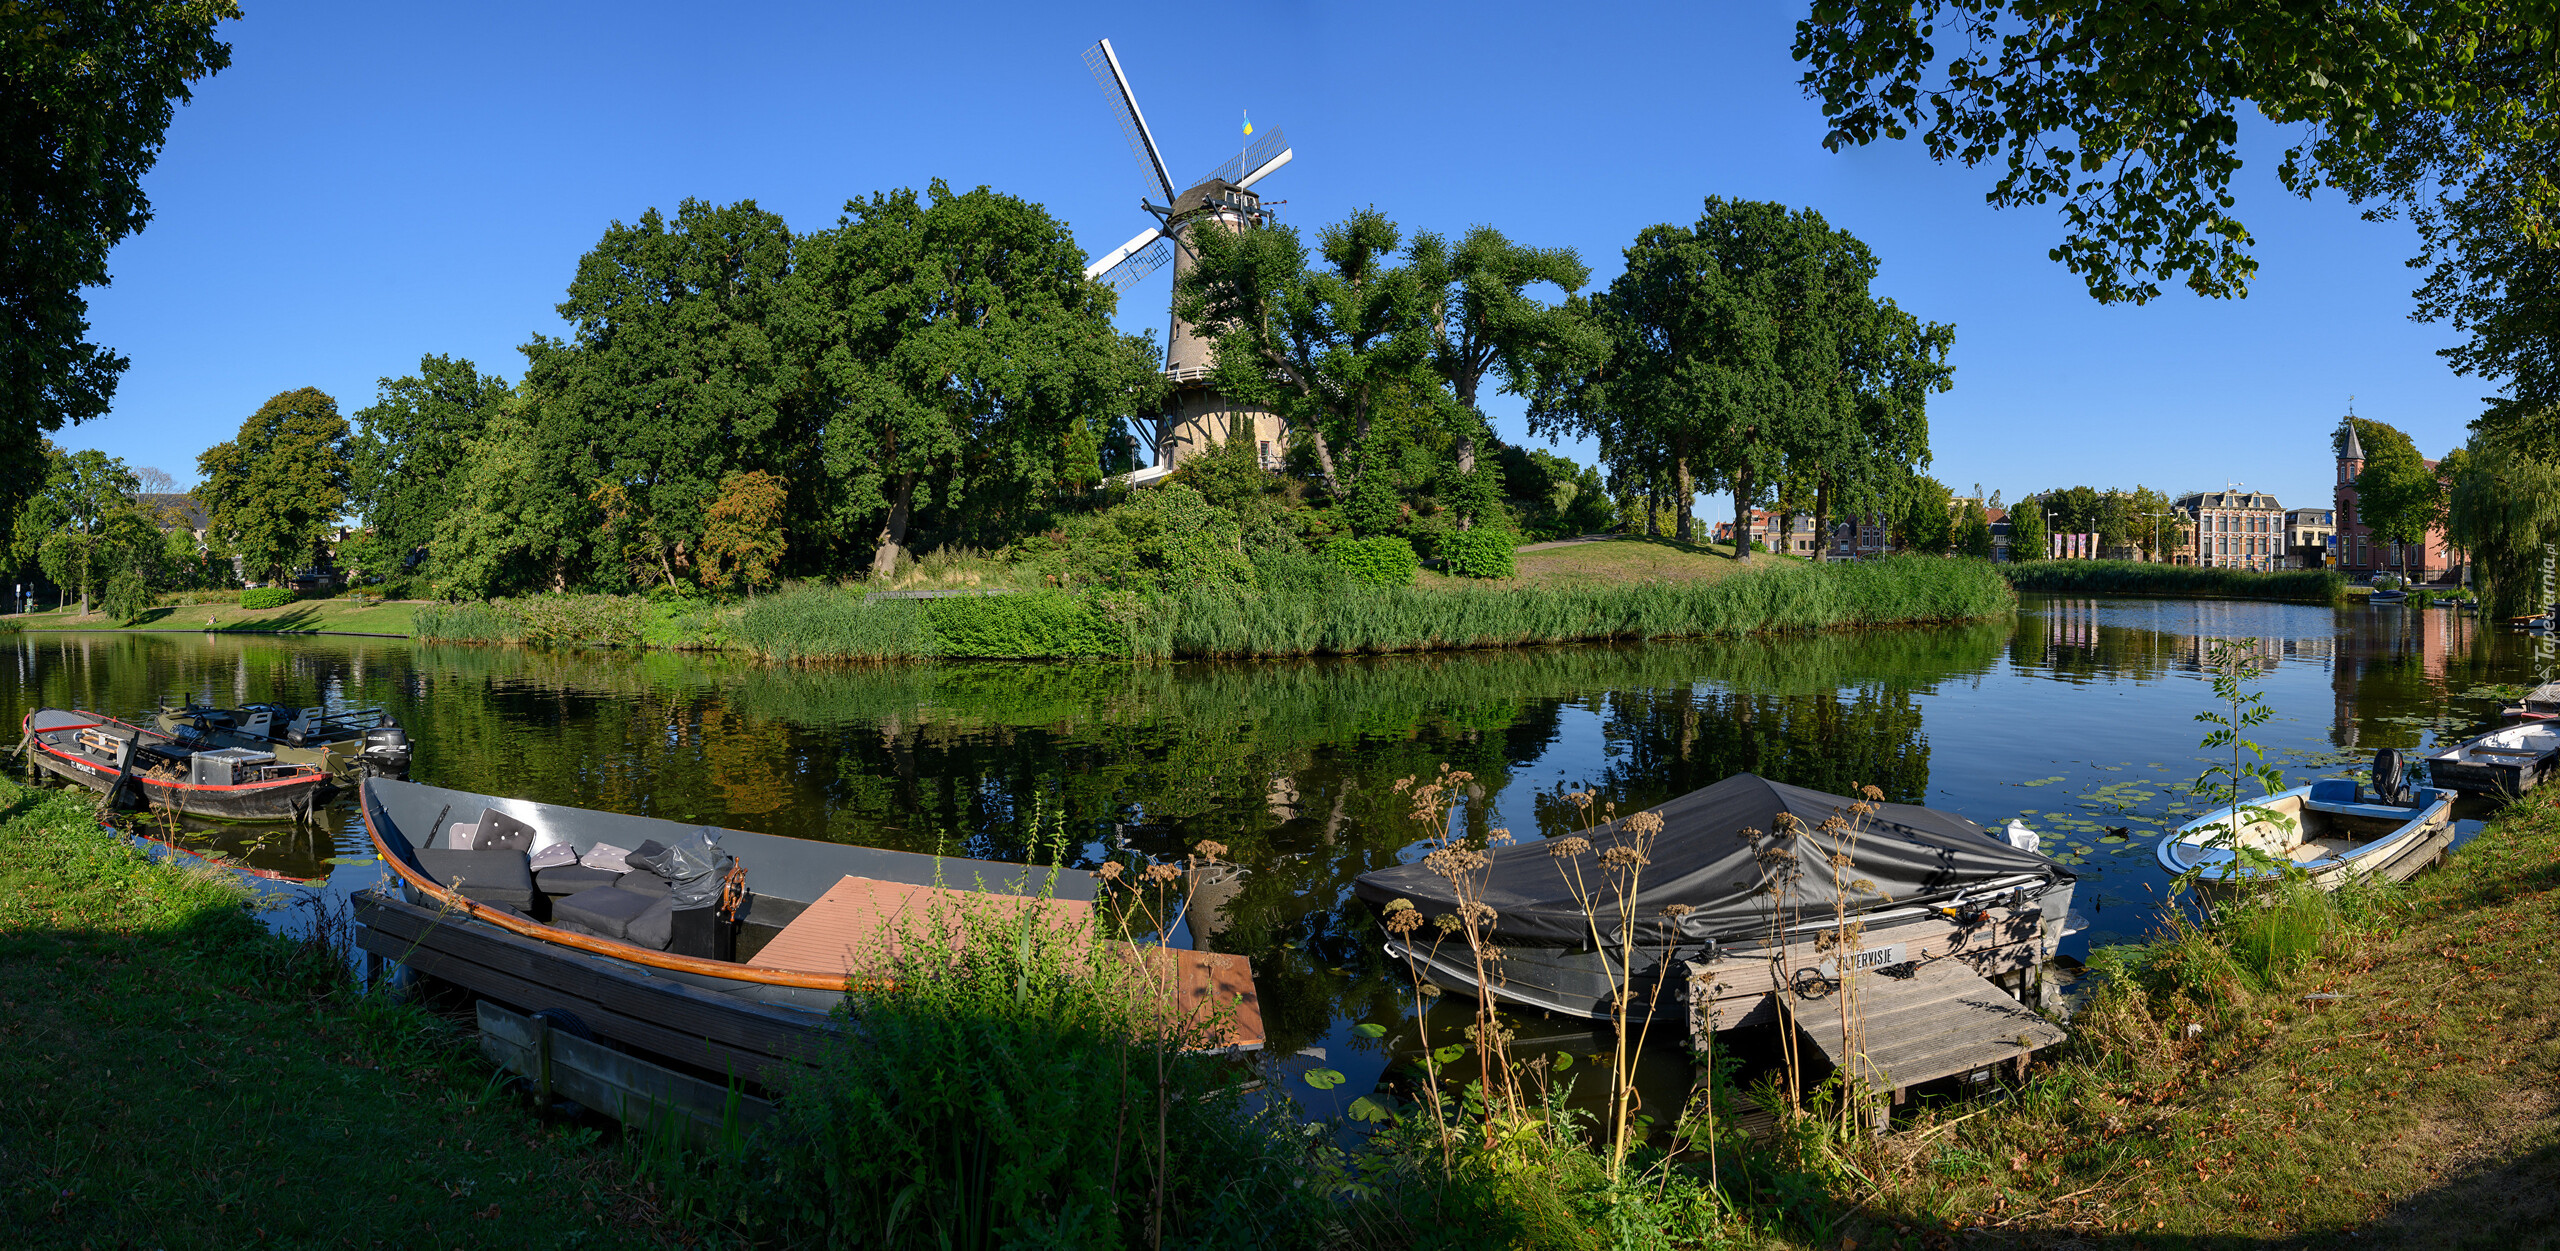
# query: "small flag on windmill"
1248,121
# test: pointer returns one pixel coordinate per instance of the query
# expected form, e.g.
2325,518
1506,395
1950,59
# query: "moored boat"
2542,703
2328,829
2506,761
221,783
760,919
2388,595
347,744
1921,884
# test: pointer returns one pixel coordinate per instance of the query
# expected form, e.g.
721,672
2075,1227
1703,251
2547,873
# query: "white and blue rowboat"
2508,761
2328,830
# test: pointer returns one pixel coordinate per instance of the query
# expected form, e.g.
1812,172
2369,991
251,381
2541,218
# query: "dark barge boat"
348,744
222,784
601,916
1948,929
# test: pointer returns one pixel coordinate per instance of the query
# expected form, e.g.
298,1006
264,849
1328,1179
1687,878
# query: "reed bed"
821,623
2132,577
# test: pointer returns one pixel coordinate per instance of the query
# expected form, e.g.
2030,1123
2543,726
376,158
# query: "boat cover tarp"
1902,853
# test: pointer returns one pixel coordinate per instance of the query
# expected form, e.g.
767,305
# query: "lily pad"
353,860
1370,1029
1325,1079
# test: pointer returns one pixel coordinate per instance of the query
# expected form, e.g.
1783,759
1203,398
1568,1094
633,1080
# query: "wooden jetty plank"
1940,1021
719,1017
616,1083
859,920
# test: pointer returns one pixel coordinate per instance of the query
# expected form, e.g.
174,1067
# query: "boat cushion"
500,832
490,877
606,856
554,856
459,837
607,912
644,882
602,911
570,879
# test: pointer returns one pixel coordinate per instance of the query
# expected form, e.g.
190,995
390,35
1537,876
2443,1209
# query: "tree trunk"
1685,491
1467,469
1653,506
893,532
1324,459
1742,512
1822,517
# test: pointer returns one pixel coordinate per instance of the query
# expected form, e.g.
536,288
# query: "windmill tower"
1195,415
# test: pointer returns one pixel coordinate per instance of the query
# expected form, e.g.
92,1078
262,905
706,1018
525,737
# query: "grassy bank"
347,616
179,1077
2132,577
833,623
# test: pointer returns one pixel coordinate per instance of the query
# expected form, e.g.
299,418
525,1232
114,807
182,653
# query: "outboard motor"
2391,777
386,750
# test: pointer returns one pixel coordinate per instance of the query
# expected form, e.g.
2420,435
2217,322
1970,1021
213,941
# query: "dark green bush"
1380,560
1024,626
263,597
1479,553
2135,577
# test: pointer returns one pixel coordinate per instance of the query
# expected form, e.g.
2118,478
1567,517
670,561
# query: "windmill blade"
1252,158
1267,168
1123,252
1105,65
1133,269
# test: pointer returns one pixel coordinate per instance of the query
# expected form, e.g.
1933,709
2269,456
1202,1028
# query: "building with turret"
2360,554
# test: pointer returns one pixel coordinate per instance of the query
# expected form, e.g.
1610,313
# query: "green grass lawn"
350,616
1626,558
172,1075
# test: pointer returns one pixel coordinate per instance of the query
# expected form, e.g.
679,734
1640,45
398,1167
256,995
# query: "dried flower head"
1872,792
1835,824
1210,849
1109,871
1676,911
1749,834
1162,872
1862,809
1840,860
1579,799
1788,823
1478,913
1645,823
1570,845
1404,922
1403,784
1622,857
1448,922
1499,836
1398,905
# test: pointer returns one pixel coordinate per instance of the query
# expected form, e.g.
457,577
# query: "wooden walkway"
1918,1022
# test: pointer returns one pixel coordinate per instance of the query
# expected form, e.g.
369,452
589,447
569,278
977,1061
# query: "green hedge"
1382,560
2134,577
264,597
1479,553
1031,625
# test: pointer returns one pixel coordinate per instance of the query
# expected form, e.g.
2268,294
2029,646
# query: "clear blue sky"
368,183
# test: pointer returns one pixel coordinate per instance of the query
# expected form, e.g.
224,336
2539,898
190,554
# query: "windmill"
1195,416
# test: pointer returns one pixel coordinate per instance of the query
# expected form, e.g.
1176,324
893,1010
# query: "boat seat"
645,882
499,878
611,912
571,879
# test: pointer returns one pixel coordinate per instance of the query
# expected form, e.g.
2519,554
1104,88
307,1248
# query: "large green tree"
2027,529
964,372
2504,509
1486,327
87,88
672,378
273,493
411,447
2128,116
1328,340
64,526
1746,353
2398,497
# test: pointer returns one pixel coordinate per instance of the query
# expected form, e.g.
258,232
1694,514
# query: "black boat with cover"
1744,869
537,904
221,783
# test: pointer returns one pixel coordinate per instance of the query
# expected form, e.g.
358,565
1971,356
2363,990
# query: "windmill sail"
1270,144
1135,267
1105,65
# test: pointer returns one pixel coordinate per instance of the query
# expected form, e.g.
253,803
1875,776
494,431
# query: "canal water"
2077,716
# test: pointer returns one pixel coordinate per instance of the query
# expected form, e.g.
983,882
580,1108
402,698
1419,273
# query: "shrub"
1030,625
2134,577
1166,538
1479,553
572,620
263,597
1382,560
127,596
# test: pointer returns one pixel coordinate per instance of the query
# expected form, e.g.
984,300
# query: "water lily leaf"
1370,1029
1564,1060
1325,1079
1368,1108
353,860
1449,1054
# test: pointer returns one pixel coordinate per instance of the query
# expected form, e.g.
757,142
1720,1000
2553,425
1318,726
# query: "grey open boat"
795,925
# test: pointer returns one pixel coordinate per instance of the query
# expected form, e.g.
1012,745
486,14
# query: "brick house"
2360,555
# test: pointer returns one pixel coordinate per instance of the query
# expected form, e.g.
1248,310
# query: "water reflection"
2076,716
